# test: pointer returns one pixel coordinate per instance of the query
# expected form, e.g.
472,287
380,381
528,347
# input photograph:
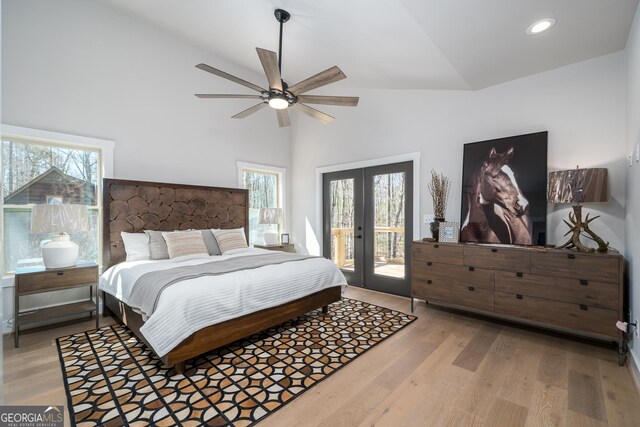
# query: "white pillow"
136,245
230,239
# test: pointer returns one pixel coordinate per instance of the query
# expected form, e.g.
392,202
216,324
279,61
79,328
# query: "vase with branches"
439,189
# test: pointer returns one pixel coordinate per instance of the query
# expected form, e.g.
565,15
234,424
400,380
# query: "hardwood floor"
446,369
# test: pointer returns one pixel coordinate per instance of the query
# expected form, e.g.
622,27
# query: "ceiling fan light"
278,102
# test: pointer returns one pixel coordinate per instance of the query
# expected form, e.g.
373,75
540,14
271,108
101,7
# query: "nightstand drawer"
289,247
55,279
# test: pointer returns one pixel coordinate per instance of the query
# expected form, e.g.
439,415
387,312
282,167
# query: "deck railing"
343,237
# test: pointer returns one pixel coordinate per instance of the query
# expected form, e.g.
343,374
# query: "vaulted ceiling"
398,44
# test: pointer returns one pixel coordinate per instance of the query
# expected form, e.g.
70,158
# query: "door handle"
359,236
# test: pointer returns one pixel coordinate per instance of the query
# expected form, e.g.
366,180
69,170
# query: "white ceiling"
398,44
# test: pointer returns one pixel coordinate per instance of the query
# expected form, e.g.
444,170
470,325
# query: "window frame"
282,185
36,136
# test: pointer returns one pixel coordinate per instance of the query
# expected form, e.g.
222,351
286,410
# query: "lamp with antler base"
579,186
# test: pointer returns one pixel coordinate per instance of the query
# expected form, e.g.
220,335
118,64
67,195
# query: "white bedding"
194,304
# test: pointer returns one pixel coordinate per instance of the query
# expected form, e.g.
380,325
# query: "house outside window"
266,190
40,172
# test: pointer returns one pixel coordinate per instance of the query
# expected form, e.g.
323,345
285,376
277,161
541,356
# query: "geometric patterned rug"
113,379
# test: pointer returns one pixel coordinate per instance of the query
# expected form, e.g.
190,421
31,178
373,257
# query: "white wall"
582,106
633,173
82,68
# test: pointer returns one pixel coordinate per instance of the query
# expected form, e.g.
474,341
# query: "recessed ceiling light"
541,25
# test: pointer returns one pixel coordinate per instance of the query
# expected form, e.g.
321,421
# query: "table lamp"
270,216
60,251
580,186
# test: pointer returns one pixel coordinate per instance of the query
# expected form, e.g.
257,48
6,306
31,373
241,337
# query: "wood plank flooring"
445,369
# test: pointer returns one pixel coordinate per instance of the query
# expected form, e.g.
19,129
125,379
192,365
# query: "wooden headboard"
134,206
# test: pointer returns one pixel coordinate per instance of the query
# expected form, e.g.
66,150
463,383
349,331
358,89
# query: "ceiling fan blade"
343,101
269,62
283,118
249,111
327,76
228,76
312,112
211,95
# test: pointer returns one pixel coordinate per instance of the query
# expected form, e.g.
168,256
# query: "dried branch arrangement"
439,189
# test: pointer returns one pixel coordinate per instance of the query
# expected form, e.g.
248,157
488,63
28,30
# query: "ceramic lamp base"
60,252
270,238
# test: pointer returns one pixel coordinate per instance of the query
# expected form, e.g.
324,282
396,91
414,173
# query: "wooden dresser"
563,290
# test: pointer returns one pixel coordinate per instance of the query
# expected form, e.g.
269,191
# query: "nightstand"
289,247
36,280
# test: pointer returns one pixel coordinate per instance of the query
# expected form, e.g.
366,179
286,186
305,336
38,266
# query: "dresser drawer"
589,292
55,279
564,315
465,296
496,257
453,274
573,264
437,252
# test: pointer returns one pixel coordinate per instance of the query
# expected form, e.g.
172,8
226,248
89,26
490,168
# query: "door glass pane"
341,205
389,209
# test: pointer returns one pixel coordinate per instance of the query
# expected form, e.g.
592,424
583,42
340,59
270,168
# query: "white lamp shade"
270,216
59,218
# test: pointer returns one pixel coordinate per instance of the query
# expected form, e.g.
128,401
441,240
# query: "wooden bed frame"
134,206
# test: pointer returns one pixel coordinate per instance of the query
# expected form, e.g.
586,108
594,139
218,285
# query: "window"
38,171
266,190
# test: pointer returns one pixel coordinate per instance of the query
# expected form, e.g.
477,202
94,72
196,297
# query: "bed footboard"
215,336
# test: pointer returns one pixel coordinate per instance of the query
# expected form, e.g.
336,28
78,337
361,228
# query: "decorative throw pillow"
210,242
136,245
230,239
157,245
185,243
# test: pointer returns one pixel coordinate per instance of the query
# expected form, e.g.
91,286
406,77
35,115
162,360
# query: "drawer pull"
519,274
472,269
584,282
59,273
494,250
571,256
471,288
436,246
584,307
519,296
429,263
429,282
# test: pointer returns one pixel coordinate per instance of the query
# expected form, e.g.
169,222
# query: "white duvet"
194,304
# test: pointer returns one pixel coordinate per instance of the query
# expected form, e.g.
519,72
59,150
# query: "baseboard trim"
635,372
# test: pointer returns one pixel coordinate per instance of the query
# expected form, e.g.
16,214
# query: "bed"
135,206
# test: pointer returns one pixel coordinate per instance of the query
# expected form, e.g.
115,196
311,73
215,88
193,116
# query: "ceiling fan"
280,95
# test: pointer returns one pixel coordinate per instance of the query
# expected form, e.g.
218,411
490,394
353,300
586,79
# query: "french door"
368,225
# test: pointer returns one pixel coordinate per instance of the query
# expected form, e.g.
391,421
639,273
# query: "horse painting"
497,212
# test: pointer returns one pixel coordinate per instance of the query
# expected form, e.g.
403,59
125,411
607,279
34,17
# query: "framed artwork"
504,183
449,232
284,238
